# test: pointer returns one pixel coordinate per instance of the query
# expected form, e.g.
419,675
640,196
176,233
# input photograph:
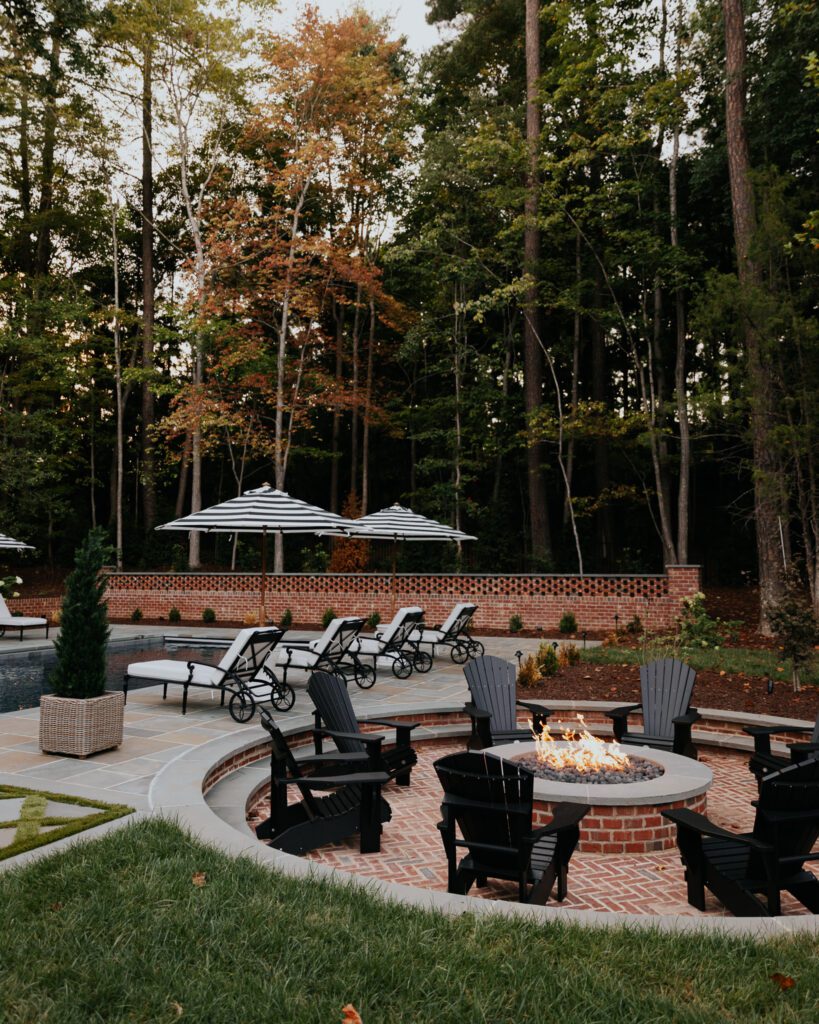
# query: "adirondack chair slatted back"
282,766
340,641
491,683
665,687
492,803
793,789
329,694
249,650
458,619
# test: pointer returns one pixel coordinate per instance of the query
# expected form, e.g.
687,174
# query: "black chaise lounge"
355,804
665,687
241,673
492,686
336,720
748,872
452,633
490,802
334,651
763,760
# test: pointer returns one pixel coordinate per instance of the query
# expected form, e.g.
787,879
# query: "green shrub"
208,615
136,615
327,618
174,615
794,625
634,626
82,644
179,558
698,629
546,659
529,672
567,655
515,624
568,623
286,621
373,620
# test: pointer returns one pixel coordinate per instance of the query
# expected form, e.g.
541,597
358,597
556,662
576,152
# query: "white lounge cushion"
366,645
298,657
449,621
21,622
427,636
168,671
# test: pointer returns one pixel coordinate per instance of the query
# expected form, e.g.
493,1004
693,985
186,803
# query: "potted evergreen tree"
79,717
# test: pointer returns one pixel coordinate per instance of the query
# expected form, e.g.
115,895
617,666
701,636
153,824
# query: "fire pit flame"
586,753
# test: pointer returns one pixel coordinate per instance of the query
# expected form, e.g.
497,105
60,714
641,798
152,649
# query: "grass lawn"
729,659
117,930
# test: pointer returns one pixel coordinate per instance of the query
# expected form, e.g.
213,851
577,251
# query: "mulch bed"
733,691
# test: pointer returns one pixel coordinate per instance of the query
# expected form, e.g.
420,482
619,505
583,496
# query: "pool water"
24,676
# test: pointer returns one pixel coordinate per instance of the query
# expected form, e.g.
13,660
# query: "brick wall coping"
177,793
387,575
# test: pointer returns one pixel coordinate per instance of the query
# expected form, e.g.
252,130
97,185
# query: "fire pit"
626,808
585,758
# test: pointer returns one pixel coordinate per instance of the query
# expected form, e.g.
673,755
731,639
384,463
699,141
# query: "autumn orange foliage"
350,555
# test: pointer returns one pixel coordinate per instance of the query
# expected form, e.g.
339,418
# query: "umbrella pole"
394,560
262,615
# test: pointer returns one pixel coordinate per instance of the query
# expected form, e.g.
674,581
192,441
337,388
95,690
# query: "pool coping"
177,793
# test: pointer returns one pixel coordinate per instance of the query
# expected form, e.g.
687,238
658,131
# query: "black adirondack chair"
335,719
490,802
492,686
354,805
763,760
666,687
739,869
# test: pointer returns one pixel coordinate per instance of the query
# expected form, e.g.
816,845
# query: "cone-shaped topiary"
81,645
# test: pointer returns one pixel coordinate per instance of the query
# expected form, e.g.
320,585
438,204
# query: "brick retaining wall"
540,600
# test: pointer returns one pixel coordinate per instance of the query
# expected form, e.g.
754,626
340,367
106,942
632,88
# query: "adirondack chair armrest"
334,757
403,730
691,716
619,717
800,751
762,734
700,824
475,712
538,712
357,779
566,816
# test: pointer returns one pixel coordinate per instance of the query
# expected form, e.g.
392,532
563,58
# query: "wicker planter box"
81,727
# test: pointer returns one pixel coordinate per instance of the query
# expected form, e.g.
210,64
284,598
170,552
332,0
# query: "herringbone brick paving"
412,853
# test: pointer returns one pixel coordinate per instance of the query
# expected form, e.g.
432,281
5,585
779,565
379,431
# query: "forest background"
553,282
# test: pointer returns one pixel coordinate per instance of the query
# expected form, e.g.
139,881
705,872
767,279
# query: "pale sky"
408,17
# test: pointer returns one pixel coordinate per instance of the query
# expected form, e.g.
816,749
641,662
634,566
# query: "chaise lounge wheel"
476,648
241,707
283,698
460,653
401,667
422,660
364,676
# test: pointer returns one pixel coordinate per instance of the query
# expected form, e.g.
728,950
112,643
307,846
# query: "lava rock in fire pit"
638,770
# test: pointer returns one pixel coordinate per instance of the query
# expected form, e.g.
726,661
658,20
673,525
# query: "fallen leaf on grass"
199,878
784,981
56,906
351,1015
177,1008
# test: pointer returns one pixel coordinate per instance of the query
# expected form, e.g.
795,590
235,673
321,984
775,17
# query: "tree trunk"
338,312
767,471
532,355
148,411
354,420
43,251
365,440
118,387
601,448
184,474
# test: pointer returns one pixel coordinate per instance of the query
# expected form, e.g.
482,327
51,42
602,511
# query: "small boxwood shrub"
515,624
136,615
209,615
546,659
568,623
327,618
373,620
174,615
286,621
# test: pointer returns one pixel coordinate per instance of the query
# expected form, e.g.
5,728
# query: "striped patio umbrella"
10,544
265,510
398,523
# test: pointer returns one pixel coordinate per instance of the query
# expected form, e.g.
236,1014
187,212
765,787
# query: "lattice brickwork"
539,600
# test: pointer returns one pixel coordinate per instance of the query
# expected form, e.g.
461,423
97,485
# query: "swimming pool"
24,675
